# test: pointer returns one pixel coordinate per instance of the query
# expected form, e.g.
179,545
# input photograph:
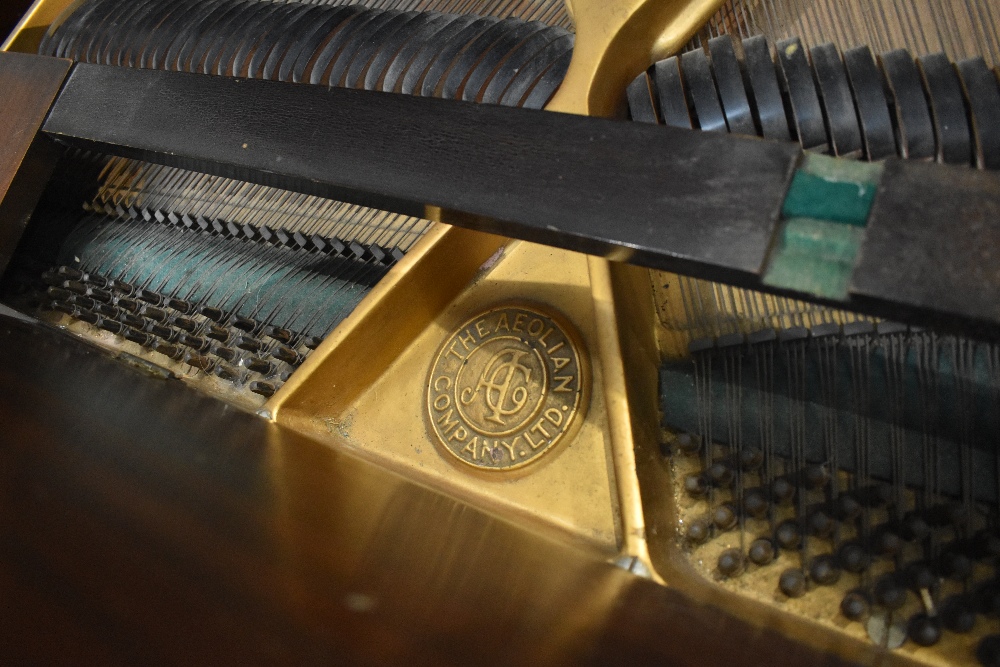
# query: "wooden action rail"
903,240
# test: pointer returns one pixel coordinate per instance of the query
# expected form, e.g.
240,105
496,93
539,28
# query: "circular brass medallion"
506,387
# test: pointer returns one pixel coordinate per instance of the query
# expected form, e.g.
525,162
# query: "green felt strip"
833,189
842,169
296,290
815,257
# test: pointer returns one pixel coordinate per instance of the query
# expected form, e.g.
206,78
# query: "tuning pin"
854,557
724,517
695,486
914,528
265,389
730,562
816,476
957,614
782,491
821,525
699,531
924,630
855,606
788,536
848,508
751,458
921,577
956,565
792,583
761,551
687,444
889,593
227,373
755,503
720,474
887,542
824,571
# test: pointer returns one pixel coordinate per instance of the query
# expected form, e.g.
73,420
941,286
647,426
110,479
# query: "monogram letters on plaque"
506,387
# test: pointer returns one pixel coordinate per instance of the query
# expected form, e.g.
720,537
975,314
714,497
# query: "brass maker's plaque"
506,387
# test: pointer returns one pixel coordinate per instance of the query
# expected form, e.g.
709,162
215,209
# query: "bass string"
959,28
550,12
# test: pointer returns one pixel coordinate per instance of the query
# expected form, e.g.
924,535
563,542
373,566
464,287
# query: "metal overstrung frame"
417,300
614,40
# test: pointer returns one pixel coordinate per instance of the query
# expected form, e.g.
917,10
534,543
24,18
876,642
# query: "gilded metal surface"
344,387
569,493
506,388
630,359
617,39
403,304
143,523
36,21
688,309
365,390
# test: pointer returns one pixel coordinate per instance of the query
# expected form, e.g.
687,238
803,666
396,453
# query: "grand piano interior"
244,424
